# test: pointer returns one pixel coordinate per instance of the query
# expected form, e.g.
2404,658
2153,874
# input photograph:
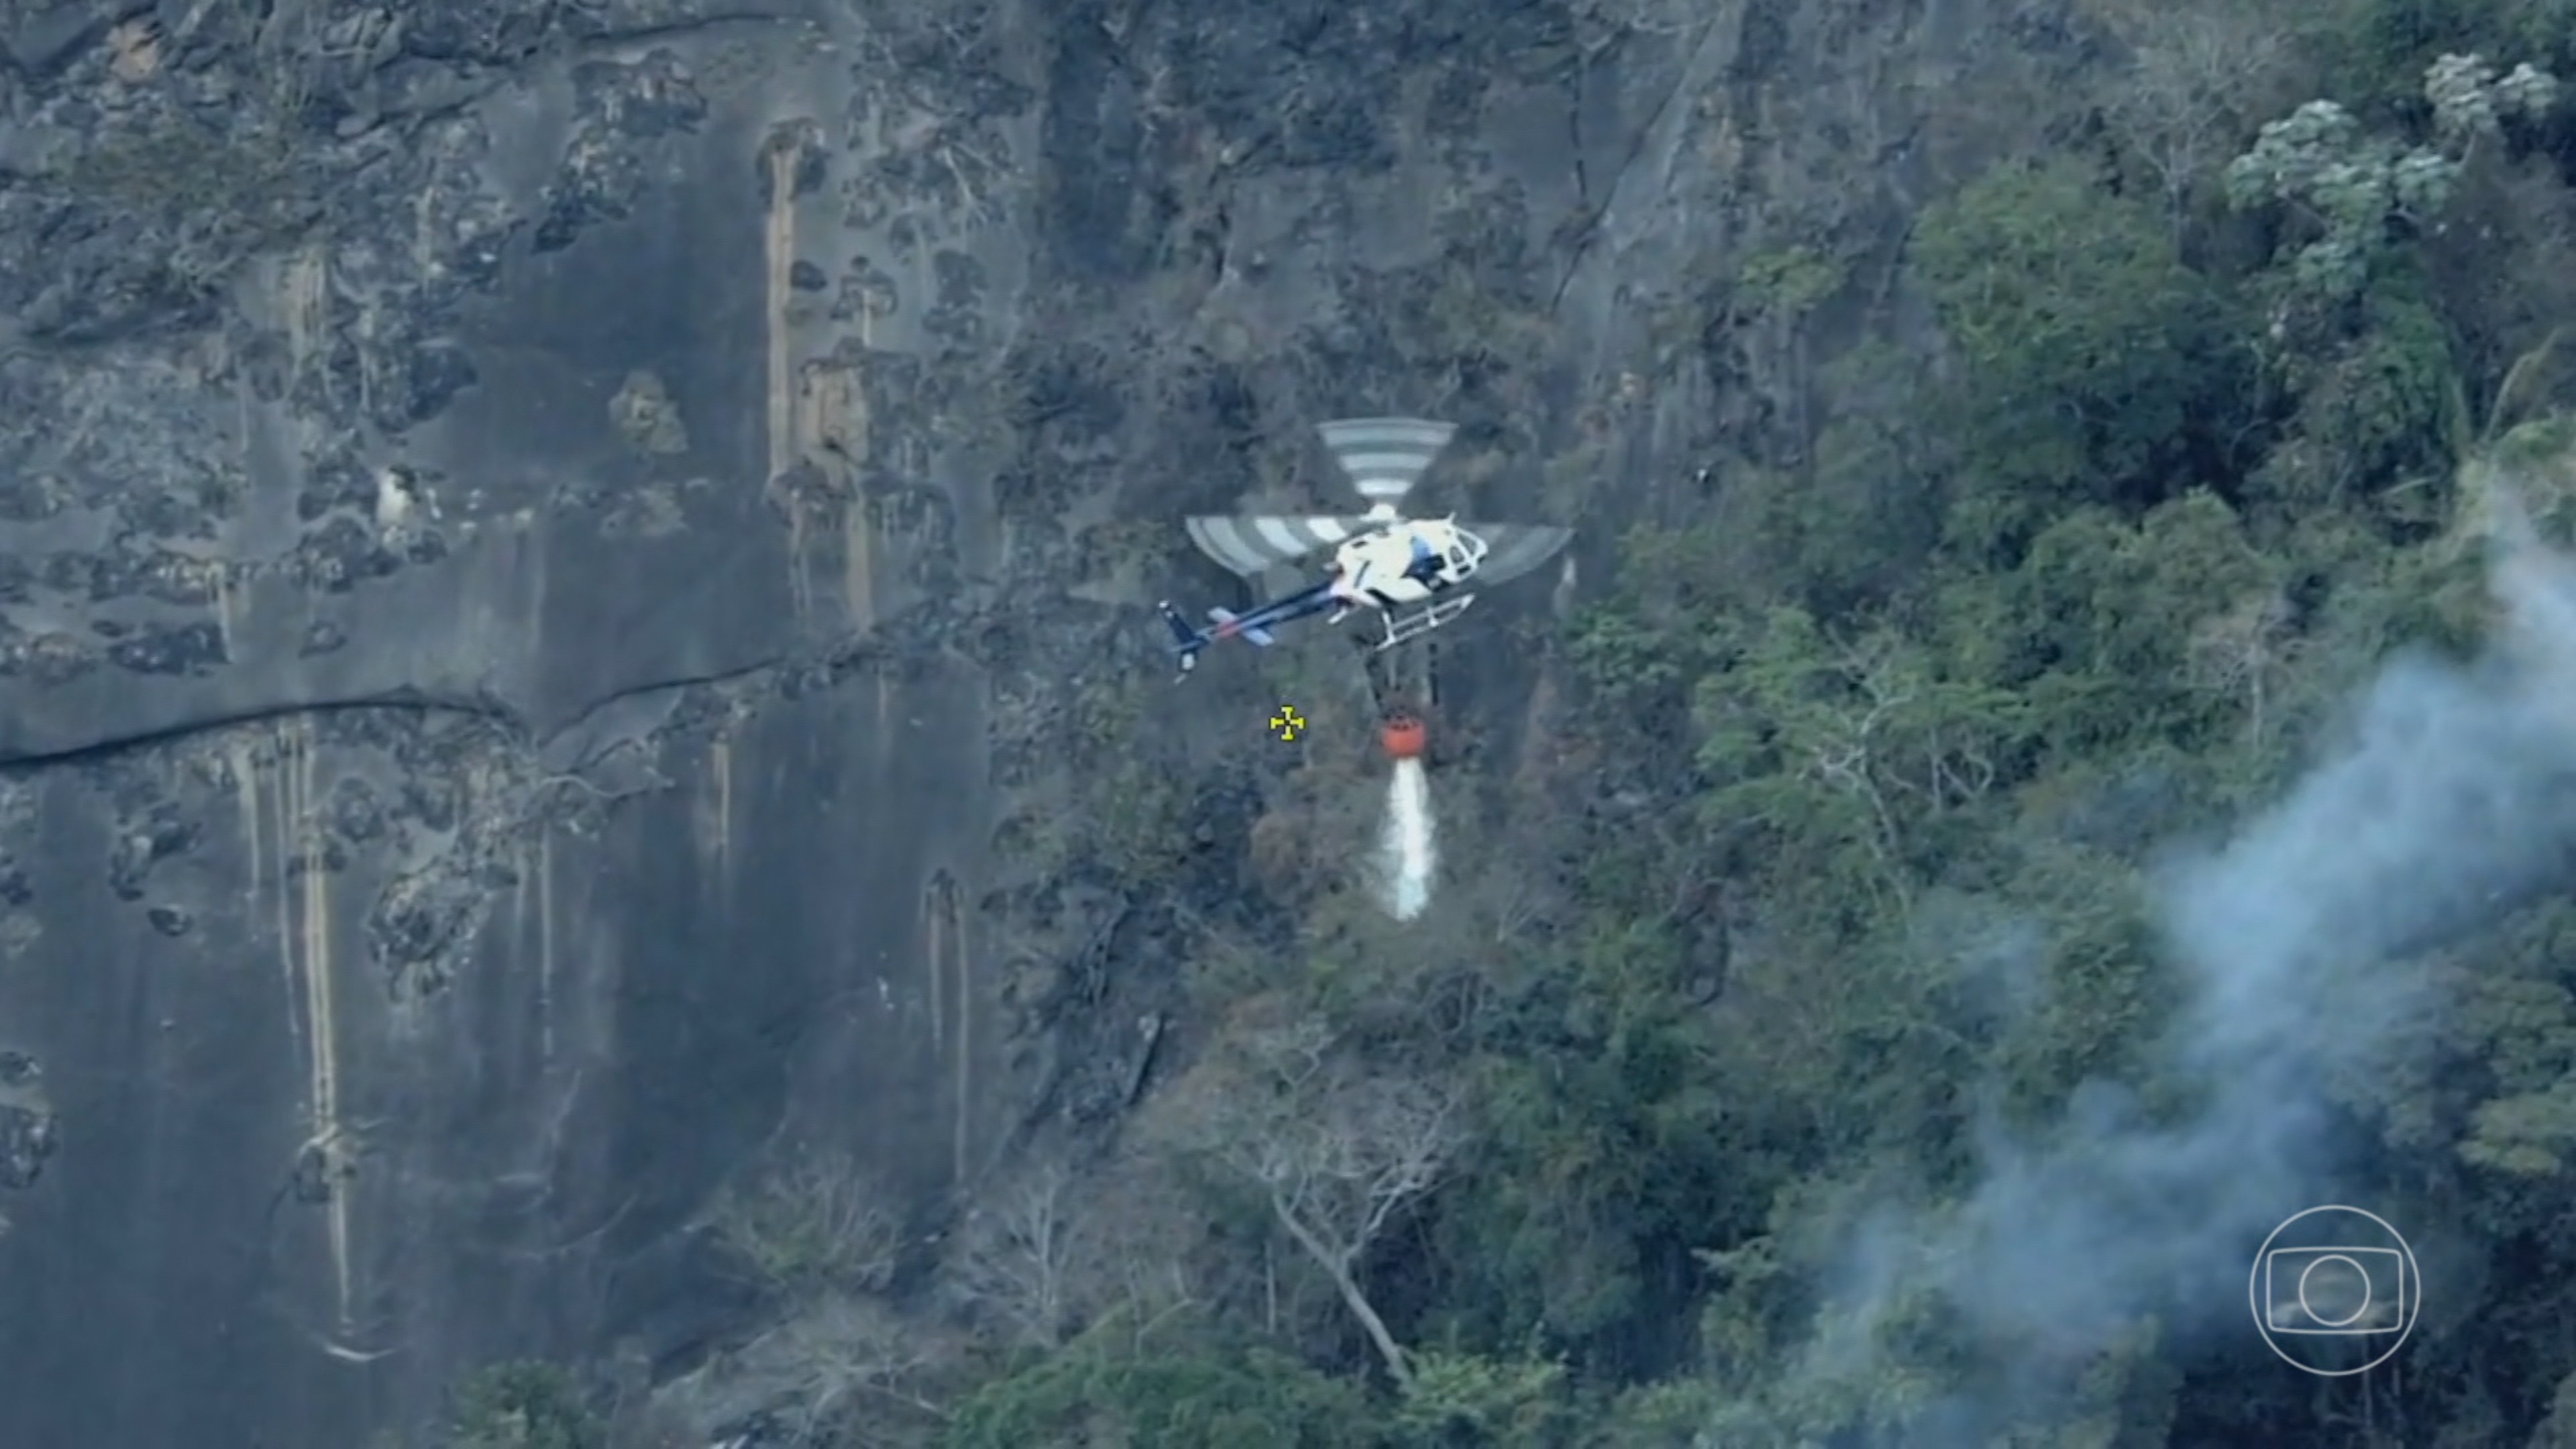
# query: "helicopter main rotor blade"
1385,457
1252,545
1513,549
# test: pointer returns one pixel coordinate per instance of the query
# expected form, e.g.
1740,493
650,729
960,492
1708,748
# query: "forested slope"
2105,791
1997,866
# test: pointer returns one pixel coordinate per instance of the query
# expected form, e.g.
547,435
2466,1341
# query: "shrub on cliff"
523,1405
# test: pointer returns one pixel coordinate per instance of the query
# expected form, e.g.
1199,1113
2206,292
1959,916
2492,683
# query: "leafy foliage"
1179,1398
2091,357
1842,896
522,1406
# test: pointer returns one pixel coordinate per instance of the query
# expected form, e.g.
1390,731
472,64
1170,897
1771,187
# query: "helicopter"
1382,559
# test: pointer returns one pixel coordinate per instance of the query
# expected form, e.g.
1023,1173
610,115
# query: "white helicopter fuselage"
1405,562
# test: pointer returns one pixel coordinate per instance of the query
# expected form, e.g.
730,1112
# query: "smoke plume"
2454,791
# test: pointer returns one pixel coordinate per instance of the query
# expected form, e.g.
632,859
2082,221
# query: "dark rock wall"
469,762
541,546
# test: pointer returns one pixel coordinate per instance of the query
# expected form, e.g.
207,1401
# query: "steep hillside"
585,775
551,558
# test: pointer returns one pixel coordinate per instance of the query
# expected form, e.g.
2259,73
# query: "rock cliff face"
547,553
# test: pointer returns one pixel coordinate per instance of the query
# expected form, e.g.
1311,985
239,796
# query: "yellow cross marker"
1286,723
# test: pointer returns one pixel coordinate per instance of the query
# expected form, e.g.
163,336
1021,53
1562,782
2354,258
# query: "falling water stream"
1406,853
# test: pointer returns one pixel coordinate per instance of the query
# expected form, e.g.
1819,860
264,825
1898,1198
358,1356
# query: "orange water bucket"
1405,737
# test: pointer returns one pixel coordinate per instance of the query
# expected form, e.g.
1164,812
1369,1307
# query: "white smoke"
2455,792
1408,856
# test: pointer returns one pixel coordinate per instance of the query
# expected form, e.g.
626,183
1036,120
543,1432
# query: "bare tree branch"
2195,72
1337,1149
840,1373
818,1223
2243,651
1016,1255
